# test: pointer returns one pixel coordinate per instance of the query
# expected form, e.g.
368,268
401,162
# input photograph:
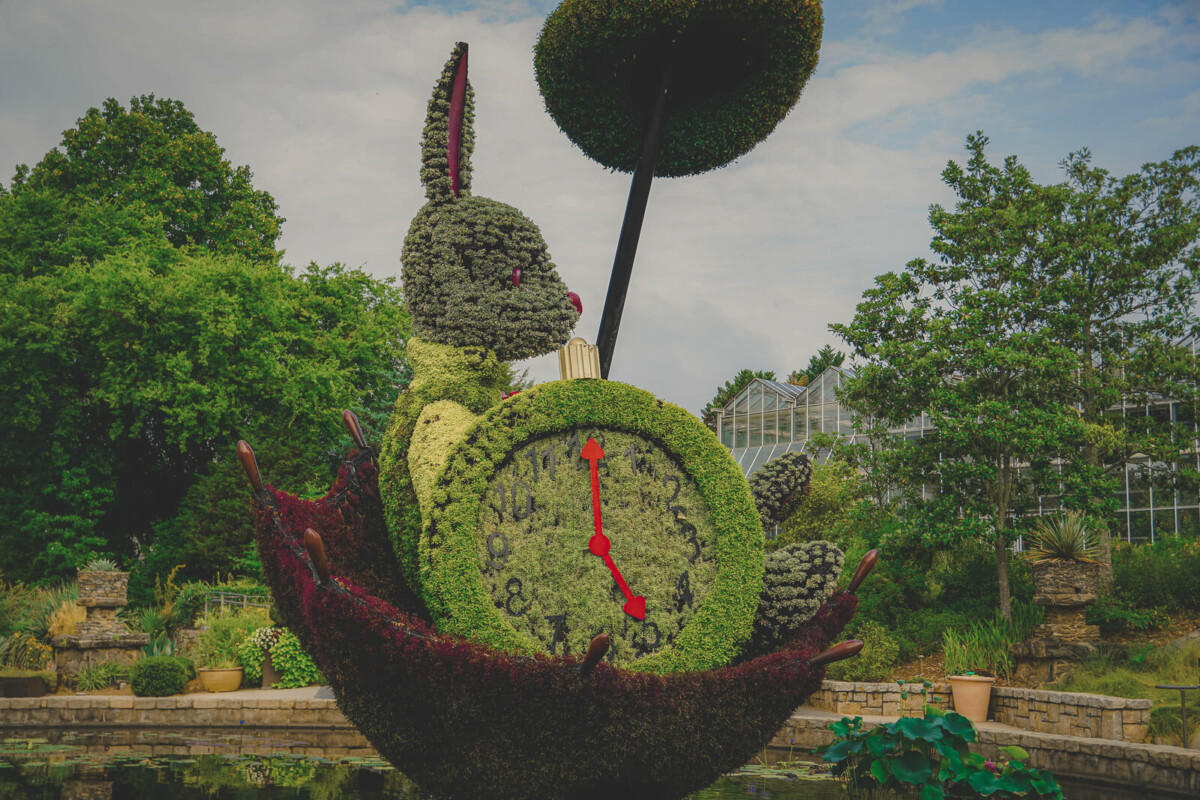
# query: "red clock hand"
599,544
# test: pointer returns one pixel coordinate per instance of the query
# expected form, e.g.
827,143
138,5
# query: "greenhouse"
769,418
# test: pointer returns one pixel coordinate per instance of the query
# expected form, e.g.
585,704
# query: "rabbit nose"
575,301
516,277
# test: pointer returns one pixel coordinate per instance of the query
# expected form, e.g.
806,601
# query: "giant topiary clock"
514,555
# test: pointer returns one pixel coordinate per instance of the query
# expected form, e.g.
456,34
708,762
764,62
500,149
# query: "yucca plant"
101,565
1066,537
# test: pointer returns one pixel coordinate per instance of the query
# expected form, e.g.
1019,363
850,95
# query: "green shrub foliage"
460,255
737,68
158,676
876,660
798,580
457,266
779,487
435,141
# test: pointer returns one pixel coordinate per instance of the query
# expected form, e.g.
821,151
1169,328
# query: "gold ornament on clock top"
578,359
537,519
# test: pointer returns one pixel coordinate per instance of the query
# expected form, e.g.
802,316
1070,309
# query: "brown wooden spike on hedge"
595,652
837,653
246,456
864,569
356,431
316,551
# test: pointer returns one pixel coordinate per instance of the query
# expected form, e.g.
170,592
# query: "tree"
825,358
130,377
729,391
121,175
965,339
1125,262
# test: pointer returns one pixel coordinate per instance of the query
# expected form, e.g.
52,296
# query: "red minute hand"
599,543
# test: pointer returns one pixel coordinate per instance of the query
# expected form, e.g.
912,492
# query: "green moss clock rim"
450,578
588,49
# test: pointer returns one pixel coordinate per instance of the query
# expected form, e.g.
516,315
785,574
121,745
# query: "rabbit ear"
449,132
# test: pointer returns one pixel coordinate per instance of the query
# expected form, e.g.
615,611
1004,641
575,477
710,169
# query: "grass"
1136,676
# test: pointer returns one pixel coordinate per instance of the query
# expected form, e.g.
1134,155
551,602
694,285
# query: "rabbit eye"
516,279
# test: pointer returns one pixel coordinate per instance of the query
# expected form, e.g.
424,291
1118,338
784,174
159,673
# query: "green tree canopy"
122,174
965,338
825,358
128,377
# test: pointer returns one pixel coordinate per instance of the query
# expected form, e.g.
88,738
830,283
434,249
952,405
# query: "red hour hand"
599,544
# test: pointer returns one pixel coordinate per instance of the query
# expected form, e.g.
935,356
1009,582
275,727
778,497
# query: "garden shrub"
876,660
189,603
222,633
796,581
158,676
1115,615
101,675
296,668
1161,575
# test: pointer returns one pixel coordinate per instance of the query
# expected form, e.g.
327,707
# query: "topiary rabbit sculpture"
481,289
461,718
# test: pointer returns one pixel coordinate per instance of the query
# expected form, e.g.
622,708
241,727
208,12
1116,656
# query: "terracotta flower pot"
270,675
221,680
971,695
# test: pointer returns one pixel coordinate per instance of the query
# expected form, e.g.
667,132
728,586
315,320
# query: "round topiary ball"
736,69
779,486
458,271
797,580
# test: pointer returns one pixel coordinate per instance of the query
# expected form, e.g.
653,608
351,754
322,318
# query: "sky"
745,266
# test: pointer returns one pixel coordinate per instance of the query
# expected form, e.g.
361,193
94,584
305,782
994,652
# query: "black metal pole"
631,227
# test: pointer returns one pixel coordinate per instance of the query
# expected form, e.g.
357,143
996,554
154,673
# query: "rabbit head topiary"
476,272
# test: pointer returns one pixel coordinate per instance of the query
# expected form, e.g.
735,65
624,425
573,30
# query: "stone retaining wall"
1161,772
1064,713
168,712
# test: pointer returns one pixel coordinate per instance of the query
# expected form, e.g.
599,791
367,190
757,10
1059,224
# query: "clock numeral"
548,461
683,592
500,496
516,506
515,594
557,620
641,643
675,480
576,448
633,462
533,461
499,556
692,538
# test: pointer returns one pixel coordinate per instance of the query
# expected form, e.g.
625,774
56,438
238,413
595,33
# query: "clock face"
538,526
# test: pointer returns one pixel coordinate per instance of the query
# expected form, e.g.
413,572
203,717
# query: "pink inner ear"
458,100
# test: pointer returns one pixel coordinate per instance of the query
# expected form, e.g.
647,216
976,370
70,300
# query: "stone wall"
1159,772
1091,716
105,589
1063,713
195,710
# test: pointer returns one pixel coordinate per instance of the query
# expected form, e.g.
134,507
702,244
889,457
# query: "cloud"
745,266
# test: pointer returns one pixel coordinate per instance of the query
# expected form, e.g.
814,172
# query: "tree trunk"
1091,457
1002,573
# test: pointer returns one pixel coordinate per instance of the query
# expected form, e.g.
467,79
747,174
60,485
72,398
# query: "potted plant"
216,652
102,584
972,694
220,674
1062,554
26,666
257,651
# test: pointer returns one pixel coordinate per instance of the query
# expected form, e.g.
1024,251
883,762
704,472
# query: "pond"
182,764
